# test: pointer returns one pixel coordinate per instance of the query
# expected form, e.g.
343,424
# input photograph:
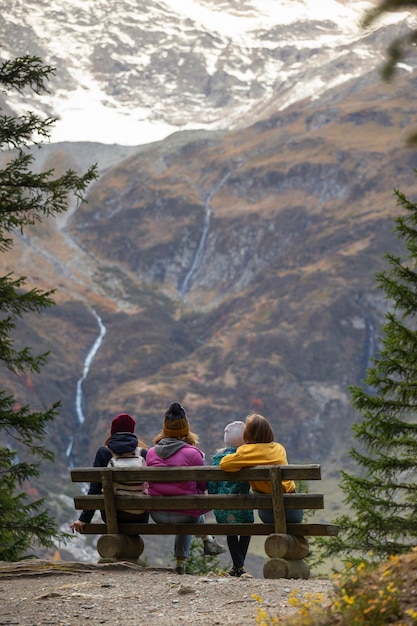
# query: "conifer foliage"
25,198
382,494
400,47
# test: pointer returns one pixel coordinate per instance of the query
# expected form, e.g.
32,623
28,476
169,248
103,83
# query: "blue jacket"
241,516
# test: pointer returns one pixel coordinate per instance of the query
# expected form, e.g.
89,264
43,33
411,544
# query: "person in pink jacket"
176,446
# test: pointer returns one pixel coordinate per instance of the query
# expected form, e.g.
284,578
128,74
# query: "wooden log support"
286,568
120,547
289,546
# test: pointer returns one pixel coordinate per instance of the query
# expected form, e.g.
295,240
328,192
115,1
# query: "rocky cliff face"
232,270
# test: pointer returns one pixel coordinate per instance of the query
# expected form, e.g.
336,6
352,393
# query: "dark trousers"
124,516
238,547
294,516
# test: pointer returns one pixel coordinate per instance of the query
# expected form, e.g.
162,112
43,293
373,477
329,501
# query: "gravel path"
70,594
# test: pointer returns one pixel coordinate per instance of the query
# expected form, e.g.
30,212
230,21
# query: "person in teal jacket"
238,545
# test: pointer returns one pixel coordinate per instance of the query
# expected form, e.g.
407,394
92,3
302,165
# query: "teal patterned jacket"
228,486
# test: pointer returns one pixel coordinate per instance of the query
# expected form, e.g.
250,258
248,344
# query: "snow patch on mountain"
130,73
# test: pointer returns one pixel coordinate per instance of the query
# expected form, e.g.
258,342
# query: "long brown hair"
257,429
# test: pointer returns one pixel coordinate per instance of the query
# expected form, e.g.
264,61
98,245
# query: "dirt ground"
40,593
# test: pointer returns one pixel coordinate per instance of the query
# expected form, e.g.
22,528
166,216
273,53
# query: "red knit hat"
123,423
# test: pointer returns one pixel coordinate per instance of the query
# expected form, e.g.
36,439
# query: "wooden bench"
286,545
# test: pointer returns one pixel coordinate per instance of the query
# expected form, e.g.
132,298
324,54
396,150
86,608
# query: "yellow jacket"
251,454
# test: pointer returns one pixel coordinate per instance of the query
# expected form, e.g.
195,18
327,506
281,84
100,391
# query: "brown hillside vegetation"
39,592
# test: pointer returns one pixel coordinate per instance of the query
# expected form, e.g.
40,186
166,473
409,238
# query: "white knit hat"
233,434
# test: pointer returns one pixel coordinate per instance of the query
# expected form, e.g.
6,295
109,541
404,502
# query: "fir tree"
25,197
382,495
400,47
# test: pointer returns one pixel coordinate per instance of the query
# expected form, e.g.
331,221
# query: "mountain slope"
232,269
131,73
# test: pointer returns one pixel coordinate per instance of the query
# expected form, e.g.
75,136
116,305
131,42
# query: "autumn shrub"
365,594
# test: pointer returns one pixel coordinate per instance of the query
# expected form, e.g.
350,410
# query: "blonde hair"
257,429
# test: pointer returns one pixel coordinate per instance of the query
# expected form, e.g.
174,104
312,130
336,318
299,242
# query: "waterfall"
200,250
87,364
202,243
69,447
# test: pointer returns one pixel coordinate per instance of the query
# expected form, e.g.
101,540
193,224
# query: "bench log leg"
286,568
286,546
120,547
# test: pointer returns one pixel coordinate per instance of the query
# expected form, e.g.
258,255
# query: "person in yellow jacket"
261,449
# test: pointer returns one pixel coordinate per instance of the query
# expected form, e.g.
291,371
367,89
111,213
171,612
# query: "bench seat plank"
201,502
212,528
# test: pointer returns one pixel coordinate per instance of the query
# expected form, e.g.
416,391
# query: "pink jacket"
174,453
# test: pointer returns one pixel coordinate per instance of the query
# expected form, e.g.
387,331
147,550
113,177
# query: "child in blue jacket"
238,545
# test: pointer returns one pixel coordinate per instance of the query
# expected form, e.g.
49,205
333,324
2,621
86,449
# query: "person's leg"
295,516
182,543
266,516
244,541
234,549
140,518
182,546
211,545
238,547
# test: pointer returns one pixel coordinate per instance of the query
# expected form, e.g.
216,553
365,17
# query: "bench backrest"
205,472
